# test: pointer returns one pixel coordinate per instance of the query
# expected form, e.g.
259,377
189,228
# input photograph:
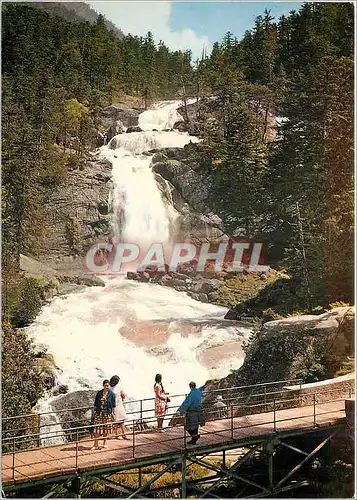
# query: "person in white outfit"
119,410
221,410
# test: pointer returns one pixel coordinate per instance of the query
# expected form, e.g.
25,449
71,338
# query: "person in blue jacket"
192,406
104,405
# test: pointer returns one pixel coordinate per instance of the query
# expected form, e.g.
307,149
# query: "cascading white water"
163,116
51,431
140,211
140,214
98,332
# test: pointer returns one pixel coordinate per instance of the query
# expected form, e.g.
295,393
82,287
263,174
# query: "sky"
188,25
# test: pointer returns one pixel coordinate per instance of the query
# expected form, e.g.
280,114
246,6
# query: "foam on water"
140,142
82,330
163,116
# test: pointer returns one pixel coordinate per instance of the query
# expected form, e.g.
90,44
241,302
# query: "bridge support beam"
252,471
145,486
183,478
75,486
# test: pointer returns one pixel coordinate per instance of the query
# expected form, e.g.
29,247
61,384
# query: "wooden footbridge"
266,420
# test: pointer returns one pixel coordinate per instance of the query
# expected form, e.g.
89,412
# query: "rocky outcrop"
74,408
287,348
133,129
197,115
46,367
196,285
111,114
78,215
52,282
115,120
192,187
115,128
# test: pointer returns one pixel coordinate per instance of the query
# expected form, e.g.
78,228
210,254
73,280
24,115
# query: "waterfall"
51,432
141,216
136,329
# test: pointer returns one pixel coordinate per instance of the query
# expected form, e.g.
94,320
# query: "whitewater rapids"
136,330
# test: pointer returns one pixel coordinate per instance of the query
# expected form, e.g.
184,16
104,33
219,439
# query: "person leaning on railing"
220,408
104,406
192,406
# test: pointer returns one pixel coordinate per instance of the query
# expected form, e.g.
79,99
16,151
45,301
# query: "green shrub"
22,384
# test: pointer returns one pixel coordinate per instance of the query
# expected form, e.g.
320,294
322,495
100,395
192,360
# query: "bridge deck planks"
61,459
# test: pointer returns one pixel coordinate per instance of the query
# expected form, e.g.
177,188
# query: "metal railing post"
13,457
141,409
265,394
39,431
232,426
274,416
133,439
76,449
314,409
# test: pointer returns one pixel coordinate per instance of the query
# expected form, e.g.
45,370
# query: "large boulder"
181,126
74,409
133,129
291,347
111,114
46,366
193,188
210,285
116,128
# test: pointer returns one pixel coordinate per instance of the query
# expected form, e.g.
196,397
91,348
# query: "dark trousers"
194,434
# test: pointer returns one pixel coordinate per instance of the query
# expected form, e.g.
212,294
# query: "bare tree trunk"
265,131
184,99
304,261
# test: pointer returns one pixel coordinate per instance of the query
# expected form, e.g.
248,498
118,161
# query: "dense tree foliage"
296,192
21,382
57,75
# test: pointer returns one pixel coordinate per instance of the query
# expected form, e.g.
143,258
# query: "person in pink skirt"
161,400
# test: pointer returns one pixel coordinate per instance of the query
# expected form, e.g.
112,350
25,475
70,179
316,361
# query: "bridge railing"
278,418
140,411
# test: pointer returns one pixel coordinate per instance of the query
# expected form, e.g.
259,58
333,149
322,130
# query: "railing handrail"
167,415
32,415
153,419
13,439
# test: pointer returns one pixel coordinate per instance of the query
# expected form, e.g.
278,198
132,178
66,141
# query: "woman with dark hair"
161,401
104,405
119,410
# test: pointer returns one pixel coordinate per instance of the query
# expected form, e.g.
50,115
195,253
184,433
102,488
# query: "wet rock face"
193,188
111,114
116,128
133,129
281,347
78,213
